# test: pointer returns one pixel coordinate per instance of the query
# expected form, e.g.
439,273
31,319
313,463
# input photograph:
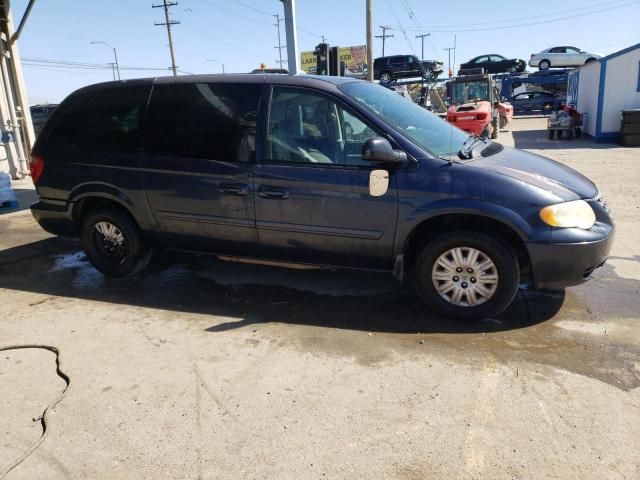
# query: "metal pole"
23,22
369,41
17,136
449,50
115,55
293,62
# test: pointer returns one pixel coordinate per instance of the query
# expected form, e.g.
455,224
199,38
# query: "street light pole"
115,57
214,60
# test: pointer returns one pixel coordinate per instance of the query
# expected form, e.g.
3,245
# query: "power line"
568,17
528,17
234,13
251,7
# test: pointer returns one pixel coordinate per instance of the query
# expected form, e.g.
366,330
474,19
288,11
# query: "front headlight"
569,214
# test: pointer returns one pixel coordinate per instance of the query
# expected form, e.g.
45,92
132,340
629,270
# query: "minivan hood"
540,172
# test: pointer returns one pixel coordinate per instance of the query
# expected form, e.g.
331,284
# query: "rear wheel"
544,65
589,60
467,275
113,243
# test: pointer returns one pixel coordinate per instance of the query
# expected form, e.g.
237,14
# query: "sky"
241,33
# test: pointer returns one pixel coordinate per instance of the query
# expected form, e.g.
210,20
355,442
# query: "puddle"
85,276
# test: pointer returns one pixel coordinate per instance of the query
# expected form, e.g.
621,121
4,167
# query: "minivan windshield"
418,124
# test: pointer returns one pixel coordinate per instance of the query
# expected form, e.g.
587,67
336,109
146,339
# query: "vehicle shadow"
252,294
539,139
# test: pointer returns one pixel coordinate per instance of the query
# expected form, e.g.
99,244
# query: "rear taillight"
36,166
481,116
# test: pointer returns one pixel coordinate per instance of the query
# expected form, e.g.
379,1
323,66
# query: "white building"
603,89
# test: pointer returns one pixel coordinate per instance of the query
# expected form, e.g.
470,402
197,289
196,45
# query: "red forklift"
476,105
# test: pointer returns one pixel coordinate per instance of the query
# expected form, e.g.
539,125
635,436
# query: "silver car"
561,57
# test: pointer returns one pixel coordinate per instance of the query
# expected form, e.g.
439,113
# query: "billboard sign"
353,57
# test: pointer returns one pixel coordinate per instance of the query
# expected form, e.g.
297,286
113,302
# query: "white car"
561,57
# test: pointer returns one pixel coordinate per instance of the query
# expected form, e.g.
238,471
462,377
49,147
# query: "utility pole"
384,36
454,51
280,46
421,37
449,51
369,41
168,22
293,61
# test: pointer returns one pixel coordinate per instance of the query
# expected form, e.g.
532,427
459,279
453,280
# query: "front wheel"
544,65
113,243
467,275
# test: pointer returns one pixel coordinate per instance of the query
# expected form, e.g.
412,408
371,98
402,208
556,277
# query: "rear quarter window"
215,121
107,119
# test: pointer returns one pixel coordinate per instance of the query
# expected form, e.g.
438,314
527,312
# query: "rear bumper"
559,265
54,217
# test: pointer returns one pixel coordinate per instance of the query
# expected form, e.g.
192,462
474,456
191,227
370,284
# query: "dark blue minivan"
321,171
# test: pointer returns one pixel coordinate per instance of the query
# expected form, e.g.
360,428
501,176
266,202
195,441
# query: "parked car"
529,101
494,63
387,69
561,57
323,171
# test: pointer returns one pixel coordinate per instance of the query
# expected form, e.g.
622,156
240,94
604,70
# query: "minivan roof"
302,79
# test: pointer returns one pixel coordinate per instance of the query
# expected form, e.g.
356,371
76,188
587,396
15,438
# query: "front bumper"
55,217
558,265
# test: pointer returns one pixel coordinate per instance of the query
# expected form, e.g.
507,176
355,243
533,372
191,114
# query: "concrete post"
293,61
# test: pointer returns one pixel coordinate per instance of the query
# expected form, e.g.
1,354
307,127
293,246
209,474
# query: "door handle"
273,192
241,189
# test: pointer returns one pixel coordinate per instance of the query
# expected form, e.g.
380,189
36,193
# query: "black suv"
387,69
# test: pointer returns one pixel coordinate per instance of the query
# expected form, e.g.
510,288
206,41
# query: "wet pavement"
200,368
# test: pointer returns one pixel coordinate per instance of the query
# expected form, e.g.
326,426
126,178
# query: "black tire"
111,258
589,60
569,134
552,134
544,64
547,107
501,255
578,132
559,134
386,77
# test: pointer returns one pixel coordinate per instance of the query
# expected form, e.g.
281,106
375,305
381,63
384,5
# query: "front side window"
395,60
202,120
310,128
424,128
464,92
109,119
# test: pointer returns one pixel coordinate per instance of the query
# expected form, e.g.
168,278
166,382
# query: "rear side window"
109,119
203,120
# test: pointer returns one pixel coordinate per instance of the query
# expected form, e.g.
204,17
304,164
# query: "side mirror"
378,150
